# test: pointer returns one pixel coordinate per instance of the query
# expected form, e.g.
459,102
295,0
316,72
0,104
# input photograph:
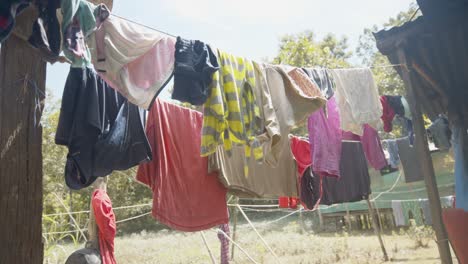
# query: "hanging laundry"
412,210
136,61
195,64
461,167
398,214
392,149
224,243
9,9
231,114
406,108
409,160
354,183
455,223
373,148
277,176
387,114
301,151
323,79
103,132
439,133
396,103
105,221
325,140
309,188
46,35
185,196
78,23
356,109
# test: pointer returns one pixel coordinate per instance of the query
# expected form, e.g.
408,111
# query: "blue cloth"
392,148
461,176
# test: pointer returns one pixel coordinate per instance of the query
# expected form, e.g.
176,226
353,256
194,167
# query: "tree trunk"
22,85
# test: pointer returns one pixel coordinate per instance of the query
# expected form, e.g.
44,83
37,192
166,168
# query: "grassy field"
290,242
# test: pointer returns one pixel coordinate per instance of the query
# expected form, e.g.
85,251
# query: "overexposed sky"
249,28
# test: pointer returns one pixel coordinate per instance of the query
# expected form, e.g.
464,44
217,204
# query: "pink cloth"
301,152
185,196
325,140
370,141
105,220
387,114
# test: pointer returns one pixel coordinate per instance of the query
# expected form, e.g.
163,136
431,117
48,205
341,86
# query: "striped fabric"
224,243
231,115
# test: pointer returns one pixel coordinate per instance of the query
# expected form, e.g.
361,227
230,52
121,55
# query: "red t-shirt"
301,151
105,220
185,196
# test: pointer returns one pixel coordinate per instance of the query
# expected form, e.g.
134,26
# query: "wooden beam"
375,226
425,161
22,86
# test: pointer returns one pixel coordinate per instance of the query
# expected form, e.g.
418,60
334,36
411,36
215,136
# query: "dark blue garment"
461,168
102,130
195,64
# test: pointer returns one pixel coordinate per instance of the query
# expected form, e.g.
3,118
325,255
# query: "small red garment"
301,151
105,220
185,196
387,114
455,221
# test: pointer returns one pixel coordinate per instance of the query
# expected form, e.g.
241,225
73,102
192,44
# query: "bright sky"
249,28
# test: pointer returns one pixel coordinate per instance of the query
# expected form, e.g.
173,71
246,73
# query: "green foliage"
421,235
387,78
304,50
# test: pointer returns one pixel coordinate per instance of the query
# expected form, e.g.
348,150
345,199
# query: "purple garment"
224,243
370,141
325,140
373,148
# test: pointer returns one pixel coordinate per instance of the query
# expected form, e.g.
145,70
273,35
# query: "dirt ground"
290,243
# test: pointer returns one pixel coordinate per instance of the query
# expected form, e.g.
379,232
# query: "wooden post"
348,218
234,229
320,218
376,229
93,231
425,162
22,82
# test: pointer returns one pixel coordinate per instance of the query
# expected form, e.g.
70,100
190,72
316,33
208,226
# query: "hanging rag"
224,243
9,9
325,140
135,60
412,210
398,214
354,183
387,114
323,79
195,64
439,133
406,108
373,148
392,149
301,151
185,196
396,103
409,160
356,109
309,188
105,221
103,132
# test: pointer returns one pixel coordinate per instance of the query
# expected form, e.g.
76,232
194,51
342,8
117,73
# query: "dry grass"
289,242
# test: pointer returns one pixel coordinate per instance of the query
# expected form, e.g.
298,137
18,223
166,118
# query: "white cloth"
134,60
398,213
358,99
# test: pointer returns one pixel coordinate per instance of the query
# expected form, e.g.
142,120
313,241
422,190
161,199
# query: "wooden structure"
22,86
434,53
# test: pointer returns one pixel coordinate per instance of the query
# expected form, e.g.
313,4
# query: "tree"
304,50
387,78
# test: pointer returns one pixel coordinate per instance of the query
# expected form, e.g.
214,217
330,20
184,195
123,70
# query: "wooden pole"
22,85
319,212
208,247
425,162
376,228
93,231
234,229
348,218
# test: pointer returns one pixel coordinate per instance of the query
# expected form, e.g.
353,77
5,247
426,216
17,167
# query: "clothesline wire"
171,35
